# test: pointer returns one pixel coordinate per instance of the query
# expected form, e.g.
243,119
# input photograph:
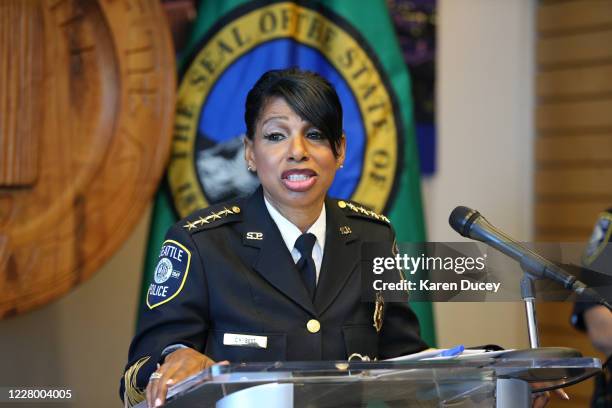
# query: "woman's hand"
541,398
177,366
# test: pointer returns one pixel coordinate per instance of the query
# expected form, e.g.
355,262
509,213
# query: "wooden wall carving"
86,106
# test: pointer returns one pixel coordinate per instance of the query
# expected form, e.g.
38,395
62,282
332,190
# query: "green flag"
353,45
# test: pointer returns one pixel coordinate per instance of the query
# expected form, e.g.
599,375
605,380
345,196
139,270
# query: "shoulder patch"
170,273
599,239
354,209
211,217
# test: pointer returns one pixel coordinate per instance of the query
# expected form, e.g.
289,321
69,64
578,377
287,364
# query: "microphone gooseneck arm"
471,224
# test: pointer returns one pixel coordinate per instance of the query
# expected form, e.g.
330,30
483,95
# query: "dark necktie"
305,264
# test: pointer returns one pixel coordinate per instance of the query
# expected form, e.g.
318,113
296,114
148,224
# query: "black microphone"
469,223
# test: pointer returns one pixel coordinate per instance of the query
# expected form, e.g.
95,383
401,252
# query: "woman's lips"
299,180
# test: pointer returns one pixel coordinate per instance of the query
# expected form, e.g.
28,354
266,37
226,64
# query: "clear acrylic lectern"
475,382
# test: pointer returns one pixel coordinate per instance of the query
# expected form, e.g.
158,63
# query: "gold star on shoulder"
212,216
361,210
225,211
190,225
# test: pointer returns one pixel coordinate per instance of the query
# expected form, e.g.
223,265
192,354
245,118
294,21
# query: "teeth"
298,177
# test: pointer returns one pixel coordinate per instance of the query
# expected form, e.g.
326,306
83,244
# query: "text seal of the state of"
207,164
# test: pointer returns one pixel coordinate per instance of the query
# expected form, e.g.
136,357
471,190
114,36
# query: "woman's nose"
298,149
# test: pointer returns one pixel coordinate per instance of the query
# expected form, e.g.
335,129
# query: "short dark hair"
310,95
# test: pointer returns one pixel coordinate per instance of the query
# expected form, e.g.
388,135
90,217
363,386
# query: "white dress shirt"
290,233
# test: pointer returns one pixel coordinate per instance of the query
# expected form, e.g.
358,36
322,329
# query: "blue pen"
454,351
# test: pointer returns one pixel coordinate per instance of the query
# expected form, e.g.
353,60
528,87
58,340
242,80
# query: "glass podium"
503,382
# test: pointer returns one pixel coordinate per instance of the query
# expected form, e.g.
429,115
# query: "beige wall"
484,113
80,341
485,141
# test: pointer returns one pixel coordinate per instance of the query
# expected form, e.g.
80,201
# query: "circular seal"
163,270
87,104
207,163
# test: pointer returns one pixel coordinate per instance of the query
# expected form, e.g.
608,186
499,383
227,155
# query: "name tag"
245,340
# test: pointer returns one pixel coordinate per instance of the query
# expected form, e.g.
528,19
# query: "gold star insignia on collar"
225,211
190,225
359,209
212,216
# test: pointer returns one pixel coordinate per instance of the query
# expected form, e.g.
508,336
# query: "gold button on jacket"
313,326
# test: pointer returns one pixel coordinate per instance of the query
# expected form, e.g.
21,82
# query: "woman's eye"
315,135
274,137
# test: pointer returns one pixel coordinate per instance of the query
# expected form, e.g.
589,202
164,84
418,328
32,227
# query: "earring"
341,166
250,168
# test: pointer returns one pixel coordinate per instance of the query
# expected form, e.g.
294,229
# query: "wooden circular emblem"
86,110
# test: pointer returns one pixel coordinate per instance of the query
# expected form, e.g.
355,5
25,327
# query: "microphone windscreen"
461,219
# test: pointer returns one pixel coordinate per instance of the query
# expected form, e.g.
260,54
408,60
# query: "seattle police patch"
207,163
599,238
170,273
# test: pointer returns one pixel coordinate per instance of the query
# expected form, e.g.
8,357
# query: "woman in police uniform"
273,276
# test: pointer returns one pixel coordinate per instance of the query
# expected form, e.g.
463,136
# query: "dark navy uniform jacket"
226,269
